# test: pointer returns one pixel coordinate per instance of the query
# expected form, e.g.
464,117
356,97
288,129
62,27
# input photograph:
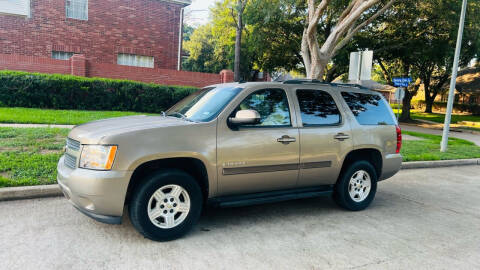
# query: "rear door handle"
285,139
341,136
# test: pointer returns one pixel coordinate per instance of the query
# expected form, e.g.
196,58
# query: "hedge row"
54,91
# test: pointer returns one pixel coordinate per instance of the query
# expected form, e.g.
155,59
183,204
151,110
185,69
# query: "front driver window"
271,104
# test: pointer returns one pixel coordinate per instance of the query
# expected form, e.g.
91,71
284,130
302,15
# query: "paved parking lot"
428,218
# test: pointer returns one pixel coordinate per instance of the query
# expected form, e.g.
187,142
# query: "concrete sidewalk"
461,135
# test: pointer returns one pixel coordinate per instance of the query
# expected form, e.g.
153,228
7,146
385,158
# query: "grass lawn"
44,116
429,148
29,156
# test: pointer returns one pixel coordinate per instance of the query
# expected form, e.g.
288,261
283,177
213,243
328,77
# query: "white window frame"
134,60
59,55
73,9
15,7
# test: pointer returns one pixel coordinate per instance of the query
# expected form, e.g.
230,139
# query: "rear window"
369,109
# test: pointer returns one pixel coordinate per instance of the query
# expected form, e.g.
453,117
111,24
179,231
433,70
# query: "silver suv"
232,145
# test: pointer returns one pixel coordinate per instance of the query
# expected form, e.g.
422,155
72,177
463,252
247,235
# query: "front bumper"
97,194
391,165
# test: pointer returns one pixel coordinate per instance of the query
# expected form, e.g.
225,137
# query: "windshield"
204,105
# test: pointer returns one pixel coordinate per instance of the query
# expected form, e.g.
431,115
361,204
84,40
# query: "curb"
439,163
29,192
32,192
18,125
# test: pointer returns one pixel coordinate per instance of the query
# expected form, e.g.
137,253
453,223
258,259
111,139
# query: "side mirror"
245,117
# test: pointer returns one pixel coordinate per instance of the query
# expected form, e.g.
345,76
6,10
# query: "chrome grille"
73,144
70,161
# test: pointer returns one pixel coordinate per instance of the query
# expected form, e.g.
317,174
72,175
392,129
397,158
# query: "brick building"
131,39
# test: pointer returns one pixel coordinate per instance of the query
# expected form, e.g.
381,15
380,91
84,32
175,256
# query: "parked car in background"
232,145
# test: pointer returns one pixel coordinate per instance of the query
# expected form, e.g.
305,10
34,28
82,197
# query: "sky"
197,13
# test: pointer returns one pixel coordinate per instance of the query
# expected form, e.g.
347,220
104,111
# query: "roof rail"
315,81
300,81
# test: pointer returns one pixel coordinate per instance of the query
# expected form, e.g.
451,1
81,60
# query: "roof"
181,2
468,80
306,82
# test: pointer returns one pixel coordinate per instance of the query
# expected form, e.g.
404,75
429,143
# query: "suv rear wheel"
166,205
356,186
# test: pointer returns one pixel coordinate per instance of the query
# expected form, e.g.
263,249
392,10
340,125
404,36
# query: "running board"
271,196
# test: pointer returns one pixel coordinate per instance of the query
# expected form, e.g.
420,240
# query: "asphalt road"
426,218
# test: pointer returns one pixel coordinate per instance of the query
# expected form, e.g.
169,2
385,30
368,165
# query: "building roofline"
180,2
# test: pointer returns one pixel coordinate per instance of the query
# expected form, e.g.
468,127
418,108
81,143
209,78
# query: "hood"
94,132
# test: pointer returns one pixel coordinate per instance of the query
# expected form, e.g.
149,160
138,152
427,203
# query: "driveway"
426,218
475,138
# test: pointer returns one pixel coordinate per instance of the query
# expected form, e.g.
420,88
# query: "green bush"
54,91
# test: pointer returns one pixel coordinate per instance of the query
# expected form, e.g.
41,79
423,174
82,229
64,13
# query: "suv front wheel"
356,186
166,205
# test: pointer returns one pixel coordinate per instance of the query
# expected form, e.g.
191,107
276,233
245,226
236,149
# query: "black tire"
341,192
141,196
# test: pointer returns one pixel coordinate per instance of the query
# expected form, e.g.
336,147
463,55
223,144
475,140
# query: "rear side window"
317,108
369,109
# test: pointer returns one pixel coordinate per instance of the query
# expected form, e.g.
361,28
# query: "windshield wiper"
183,116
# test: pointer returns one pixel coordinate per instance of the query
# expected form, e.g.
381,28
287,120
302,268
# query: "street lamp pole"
453,79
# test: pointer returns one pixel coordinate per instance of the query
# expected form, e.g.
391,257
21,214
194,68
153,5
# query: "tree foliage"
417,39
271,38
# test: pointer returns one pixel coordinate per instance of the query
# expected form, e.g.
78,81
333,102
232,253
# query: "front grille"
73,144
70,161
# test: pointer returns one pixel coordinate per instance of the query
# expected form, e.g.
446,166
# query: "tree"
204,54
187,32
356,14
417,39
272,35
241,4
435,59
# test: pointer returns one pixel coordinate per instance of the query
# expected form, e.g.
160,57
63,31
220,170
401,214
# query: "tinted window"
317,108
369,109
271,104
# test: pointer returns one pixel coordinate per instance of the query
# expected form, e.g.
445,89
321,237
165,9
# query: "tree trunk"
407,101
238,42
314,61
316,57
428,105
430,99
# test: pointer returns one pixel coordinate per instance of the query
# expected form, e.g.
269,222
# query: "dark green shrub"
55,91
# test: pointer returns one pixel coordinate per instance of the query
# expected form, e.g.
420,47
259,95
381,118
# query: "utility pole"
453,80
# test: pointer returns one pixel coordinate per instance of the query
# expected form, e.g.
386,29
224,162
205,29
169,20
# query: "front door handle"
285,139
341,136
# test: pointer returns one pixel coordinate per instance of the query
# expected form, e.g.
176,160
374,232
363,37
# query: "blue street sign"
401,82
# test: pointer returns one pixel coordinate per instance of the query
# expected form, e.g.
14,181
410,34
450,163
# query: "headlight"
98,157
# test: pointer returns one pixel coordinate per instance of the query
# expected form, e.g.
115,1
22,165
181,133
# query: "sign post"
360,67
399,95
400,92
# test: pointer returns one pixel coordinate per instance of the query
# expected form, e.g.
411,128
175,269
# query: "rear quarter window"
369,109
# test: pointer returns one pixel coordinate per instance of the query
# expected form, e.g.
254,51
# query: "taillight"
399,139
